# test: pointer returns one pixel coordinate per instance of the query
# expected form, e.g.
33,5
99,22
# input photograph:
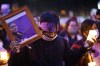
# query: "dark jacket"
69,39
3,38
85,59
47,53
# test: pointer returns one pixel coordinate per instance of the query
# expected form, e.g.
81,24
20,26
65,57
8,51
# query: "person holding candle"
4,48
87,26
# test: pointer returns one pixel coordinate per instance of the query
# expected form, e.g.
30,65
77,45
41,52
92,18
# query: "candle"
4,56
93,34
92,64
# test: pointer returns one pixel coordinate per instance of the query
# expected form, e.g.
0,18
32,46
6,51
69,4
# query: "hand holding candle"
93,35
91,38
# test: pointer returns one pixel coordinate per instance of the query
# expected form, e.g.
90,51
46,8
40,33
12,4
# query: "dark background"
79,7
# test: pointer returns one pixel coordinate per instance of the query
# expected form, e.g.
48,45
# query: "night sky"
56,5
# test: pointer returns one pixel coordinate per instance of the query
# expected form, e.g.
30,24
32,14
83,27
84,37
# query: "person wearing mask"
71,33
96,47
86,26
50,50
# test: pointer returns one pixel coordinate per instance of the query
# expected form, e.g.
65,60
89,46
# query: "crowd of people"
69,47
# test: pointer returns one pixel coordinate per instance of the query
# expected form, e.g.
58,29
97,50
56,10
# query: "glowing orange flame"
4,56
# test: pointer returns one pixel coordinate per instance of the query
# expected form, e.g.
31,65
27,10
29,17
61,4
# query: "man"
50,50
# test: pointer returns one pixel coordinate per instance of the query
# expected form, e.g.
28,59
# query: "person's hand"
89,44
15,46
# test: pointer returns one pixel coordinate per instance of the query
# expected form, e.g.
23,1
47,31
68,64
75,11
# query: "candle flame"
4,56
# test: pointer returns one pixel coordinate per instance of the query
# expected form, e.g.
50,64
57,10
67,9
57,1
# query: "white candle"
92,64
4,56
93,34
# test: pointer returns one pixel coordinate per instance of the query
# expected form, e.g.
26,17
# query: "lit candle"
93,34
4,56
92,64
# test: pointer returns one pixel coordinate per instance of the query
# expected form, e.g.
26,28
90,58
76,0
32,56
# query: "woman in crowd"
71,33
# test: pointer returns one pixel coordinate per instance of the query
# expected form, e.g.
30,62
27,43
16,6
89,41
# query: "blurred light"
5,6
63,12
15,6
63,21
80,19
71,14
93,11
5,9
98,5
